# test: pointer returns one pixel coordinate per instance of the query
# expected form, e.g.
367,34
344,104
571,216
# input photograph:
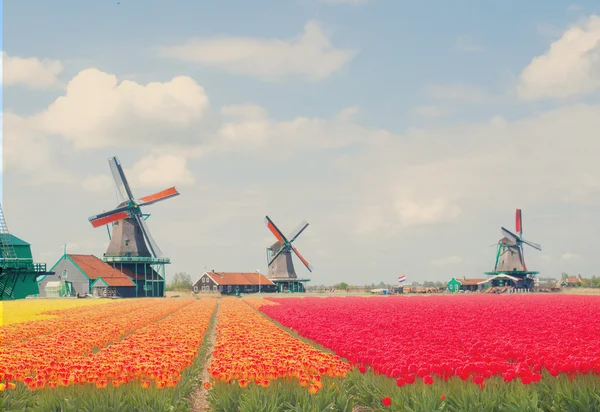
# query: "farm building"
571,281
231,283
85,274
464,284
504,280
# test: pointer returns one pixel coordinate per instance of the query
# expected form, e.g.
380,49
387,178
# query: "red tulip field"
417,353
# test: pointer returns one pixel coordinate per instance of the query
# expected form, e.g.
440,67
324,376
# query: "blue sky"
414,113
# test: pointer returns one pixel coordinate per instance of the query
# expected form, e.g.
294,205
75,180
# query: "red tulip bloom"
386,401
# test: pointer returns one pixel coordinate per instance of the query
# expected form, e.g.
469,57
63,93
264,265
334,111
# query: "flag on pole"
401,278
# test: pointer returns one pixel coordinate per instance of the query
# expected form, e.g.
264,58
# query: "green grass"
281,395
365,392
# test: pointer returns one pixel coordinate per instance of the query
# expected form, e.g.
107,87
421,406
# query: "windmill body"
510,269
279,259
132,249
510,259
127,240
283,266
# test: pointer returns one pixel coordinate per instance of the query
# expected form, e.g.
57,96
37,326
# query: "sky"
405,133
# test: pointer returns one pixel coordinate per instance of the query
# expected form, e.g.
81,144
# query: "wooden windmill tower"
132,248
510,267
279,258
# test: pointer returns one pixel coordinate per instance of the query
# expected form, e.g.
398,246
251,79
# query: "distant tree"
564,276
181,281
415,284
341,286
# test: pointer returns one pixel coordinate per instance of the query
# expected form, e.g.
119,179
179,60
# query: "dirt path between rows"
199,396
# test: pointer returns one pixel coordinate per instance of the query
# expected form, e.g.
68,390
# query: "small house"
464,284
86,274
572,281
233,282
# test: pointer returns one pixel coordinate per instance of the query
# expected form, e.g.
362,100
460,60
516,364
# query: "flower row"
66,319
158,352
44,358
250,348
472,337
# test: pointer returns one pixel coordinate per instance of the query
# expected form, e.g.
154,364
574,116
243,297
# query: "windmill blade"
120,179
110,216
301,227
149,239
519,223
308,265
275,230
157,197
276,256
510,235
533,245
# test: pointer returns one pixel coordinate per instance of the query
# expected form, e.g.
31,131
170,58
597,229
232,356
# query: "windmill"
510,261
279,258
18,271
132,246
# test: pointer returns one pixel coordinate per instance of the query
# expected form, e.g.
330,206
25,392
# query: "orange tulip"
313,389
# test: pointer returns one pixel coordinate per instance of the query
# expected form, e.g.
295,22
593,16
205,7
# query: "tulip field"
476,352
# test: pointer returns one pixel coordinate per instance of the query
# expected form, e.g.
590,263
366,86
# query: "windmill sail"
130,233
123,190
279,260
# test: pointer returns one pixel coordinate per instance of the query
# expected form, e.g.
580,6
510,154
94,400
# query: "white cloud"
458,92
249,126
430,111
98,111
438,210
348,113
570,67
310,55
26,151
569,256
159,172
447,261
97,183
30,72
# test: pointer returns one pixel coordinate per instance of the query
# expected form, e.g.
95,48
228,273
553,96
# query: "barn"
233,282
86,274
464,284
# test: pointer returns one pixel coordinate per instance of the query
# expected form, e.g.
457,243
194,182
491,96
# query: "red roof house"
232,282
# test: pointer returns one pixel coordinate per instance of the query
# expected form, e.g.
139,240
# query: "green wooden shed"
454,285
